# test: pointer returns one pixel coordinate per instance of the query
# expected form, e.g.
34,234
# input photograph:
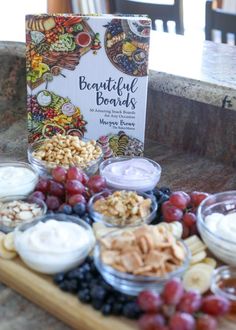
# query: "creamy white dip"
133,174
53,246
222,225
16,181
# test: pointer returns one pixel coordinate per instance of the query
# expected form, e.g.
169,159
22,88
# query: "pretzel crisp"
146,251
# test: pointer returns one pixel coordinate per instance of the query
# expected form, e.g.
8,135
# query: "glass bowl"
17,178
134,284
223,283
108,221
222,245
126,181
50,260
7,227
44,168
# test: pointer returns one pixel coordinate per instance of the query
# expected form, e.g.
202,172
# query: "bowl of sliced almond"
15,210
140,258
122,208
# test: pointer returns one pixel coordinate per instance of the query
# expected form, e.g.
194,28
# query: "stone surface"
201,71
192,126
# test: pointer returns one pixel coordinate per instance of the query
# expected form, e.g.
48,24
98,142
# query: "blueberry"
165,190
98,293
117,308
73,286
80,209
85,267
97,304
106,309
131,310
84,295
163,198
58,278
64,286
88,277
106,286
73,274
65,208
89,259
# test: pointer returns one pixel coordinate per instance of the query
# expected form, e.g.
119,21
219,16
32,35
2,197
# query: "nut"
124,208
68,150
12,212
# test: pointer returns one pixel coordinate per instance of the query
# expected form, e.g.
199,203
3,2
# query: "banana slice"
198,277
176,229
192,239
196,258
210,261
8,242
4,253
197,247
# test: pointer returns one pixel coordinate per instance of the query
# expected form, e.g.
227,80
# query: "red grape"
170,212
37,195
74,173
186,231
78,198
215,305
187,197
56,188
96,183
74,187
52,202
189,219
179,200
59,174
149,301
152,322
193,230
206,322
197,197
42,185
190,302
173,291
182,321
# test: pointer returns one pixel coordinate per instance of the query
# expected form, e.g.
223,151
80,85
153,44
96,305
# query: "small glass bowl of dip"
219,236
130,173
17,178
110,221
223,284
45,168
133,284
7,226
54,258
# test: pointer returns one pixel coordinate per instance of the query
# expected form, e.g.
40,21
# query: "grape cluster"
128,65
87,283
68,191
176,309
50,113
114,27
182,207
34,108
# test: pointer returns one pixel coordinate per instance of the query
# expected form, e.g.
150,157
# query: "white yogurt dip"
137,173
222,225
16,180
53,246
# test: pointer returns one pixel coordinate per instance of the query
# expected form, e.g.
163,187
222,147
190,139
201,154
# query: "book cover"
87,76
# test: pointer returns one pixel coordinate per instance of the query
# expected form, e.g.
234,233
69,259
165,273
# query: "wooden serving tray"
40,290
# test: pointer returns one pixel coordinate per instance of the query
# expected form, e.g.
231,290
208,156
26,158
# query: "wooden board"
40,290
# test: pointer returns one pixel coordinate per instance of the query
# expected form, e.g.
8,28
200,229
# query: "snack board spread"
87,76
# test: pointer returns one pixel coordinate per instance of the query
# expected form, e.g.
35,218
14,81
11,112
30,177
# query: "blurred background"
12,24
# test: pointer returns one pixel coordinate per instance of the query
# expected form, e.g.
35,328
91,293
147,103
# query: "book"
88,76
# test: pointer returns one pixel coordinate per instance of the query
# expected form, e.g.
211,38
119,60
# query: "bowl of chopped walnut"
122,208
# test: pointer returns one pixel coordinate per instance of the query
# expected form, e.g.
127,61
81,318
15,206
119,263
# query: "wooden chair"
217,19
154,10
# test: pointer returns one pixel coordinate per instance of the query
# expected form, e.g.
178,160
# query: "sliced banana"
176,229
4,253
198,277
192,239
196,258
210,261
197,247
8,242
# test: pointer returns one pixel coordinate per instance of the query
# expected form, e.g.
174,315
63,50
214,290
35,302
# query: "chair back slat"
216,19
154,10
